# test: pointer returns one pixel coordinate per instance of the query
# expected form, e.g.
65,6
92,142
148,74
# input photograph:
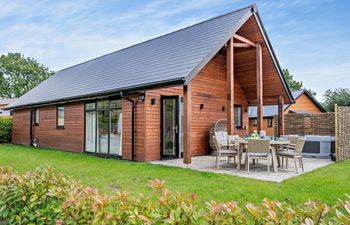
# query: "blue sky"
310,37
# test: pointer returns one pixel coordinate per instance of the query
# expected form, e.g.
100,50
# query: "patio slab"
257,171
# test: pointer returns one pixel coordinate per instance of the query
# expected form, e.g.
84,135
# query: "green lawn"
326,184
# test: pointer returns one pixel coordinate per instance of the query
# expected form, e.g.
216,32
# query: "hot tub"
318,146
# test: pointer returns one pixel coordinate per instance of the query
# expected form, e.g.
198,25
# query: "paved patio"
257,171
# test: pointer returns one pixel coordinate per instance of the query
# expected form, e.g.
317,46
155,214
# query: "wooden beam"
230,87
259,86
241,45
280,115
245,40
187,124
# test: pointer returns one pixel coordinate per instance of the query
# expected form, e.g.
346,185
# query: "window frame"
36,116
255,122
59,126
241,119
109,108
268,121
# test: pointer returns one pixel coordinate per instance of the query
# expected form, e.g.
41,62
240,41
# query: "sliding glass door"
103,127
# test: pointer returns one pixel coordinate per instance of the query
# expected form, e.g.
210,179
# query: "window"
255,122
269,122
36,117
238,116
103,127
60,116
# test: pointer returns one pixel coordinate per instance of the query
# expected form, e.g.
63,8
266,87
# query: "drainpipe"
132,124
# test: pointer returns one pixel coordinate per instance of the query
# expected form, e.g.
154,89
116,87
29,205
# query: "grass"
326,184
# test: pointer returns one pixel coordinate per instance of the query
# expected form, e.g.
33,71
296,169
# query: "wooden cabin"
157,99
304,103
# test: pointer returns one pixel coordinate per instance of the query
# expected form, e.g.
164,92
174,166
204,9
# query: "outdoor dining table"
274,146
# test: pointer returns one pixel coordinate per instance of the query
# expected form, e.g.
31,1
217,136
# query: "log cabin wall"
139,130
209,88
269,130
47,134
152,120
304,103
20,127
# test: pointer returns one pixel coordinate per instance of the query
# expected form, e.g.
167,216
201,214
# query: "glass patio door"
170,127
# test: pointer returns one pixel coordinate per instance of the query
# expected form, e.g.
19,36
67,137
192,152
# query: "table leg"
274,159
240,150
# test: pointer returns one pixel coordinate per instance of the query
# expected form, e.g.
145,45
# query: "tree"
293,84
18,74
340,96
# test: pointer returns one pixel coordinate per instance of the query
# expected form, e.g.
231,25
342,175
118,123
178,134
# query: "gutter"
90,96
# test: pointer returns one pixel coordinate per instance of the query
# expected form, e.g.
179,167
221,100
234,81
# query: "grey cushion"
228,152
252,154
286,153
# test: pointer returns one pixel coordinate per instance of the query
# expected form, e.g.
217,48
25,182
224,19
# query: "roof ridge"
253,7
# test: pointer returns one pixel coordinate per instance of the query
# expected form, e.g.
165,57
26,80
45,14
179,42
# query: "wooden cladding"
46,133
245,66
230,87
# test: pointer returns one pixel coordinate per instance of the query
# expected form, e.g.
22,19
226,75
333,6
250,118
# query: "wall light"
153,101
201,106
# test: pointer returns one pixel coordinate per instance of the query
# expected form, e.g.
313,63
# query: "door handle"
176,129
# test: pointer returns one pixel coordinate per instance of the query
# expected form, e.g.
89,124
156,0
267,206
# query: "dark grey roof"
271,110
175,57
6,101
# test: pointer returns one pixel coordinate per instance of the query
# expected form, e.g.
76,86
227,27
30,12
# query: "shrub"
5,129
44,197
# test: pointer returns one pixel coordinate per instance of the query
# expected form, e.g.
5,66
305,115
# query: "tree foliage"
340,96
19,74
293,84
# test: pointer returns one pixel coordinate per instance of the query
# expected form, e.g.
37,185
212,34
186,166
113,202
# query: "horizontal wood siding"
139,130
304,103
20,127
209,88
152,118
269,130
71,137
245,67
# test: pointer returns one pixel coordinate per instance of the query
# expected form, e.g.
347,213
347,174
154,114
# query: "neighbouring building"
4,102
157,99
304,103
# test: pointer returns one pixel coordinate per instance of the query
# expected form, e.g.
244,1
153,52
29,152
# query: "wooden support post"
259,86
280,115
230,87
187,124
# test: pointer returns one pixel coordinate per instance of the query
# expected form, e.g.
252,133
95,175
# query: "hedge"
5,129
44,197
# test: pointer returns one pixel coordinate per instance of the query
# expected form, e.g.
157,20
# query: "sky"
309,37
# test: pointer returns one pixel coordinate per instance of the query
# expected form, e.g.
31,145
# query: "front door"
170,127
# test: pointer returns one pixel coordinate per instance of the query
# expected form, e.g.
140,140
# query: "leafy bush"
44,197
5,129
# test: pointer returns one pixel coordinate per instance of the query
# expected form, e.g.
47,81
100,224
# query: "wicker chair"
294,151
217,126
259,149
223,149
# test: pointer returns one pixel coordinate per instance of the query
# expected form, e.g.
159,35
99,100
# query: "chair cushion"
252,154
228,152
286,153
222,138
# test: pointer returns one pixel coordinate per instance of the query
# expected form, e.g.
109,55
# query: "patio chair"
259,149
223,148
231,139
294,151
